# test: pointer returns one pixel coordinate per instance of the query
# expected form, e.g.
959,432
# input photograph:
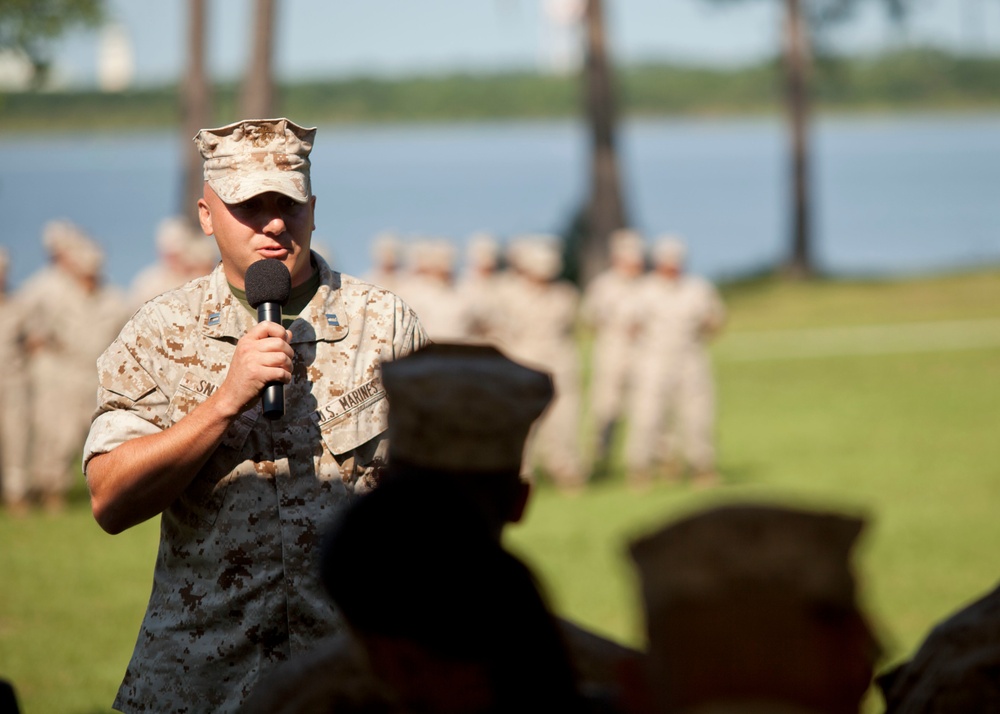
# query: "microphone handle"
273,396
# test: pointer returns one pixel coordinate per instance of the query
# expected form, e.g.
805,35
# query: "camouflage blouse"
235,589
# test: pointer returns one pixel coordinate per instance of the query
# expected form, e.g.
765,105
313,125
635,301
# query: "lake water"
893,195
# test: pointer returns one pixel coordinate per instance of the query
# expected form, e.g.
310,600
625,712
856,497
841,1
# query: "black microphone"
268,285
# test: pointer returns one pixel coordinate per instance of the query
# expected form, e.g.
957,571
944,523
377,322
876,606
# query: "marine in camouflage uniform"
541,324
388,269
673,396
431,291
71,317
480,290
15,404
174,239
606,309
179,432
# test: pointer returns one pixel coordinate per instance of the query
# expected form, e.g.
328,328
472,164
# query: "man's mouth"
273,251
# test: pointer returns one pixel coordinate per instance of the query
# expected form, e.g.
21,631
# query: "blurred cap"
84,254
201,254
255,156
173,235
729,551
627,245
955,669
58,235
482,251
386,248
515,246
669,250
462,407
540,257
418,254
440,255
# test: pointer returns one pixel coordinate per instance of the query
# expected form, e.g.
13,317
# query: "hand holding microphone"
268,286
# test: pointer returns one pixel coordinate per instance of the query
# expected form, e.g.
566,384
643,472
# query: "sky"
320,39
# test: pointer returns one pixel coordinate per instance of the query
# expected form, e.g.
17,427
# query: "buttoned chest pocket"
204,497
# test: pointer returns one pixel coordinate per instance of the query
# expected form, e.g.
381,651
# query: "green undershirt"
297,301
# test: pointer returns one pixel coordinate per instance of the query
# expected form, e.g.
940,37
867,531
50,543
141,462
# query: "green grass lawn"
900,432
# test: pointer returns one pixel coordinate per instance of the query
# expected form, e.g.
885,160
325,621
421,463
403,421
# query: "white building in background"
115,59
15,71
563,36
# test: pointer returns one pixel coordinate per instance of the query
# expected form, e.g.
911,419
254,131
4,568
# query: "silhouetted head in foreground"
956,669
463,413
451,621
753,605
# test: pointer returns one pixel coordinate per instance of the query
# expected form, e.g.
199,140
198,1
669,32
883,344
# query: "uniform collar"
323,319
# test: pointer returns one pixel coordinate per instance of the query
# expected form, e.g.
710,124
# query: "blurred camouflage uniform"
431,292
480,290
234,585
541,323
607,309
174,238
15,405
673,395
72,316
388,270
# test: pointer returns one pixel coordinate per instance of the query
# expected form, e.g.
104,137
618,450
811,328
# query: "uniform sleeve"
410,334
715,313
129,402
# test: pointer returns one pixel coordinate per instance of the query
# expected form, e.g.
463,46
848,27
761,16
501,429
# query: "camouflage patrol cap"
83,254
626,244
669,250
731,550
255,156
440,255
540,257
387,248
201,254
58,235
462,407
482,251
417,252
173,235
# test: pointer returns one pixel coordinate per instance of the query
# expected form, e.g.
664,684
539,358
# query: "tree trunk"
605,210
196,109
797,60
257,96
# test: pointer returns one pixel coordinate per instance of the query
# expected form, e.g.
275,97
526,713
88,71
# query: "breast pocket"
204,497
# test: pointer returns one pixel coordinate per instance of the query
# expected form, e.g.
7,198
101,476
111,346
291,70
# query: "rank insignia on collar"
214,319
331,319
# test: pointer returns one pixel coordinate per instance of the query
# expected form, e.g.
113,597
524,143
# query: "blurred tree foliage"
918,79
31,26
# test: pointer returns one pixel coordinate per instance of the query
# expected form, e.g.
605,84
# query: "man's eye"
288,204
251,204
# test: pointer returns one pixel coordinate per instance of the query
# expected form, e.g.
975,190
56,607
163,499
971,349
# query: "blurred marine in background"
676,315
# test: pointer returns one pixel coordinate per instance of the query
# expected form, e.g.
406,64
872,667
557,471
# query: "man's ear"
520,503
205,217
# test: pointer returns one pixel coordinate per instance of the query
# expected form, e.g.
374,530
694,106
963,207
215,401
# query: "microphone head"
267,280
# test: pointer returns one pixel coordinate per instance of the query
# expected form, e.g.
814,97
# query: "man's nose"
274,224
